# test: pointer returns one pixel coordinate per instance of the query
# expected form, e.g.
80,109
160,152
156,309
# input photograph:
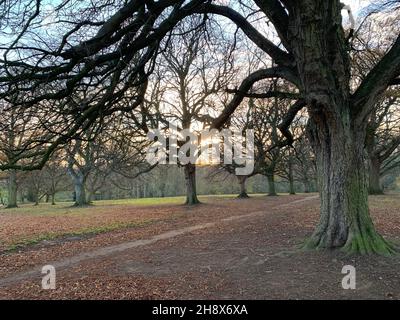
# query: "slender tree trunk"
190,179
162,189
131,193
307,186
53,199
291,187
89,196
374,176
80,192
345,220
12,189
271,184
291,178
242,182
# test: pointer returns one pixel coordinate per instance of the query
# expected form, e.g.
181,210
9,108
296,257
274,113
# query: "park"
199,150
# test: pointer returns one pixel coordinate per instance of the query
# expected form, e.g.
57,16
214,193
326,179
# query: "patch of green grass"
164,201
66,208
19,244
141,201
43,209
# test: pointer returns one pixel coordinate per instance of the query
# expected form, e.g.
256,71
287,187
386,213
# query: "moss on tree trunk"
345,220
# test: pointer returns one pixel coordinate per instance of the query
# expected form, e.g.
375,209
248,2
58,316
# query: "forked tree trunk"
344,220
337,127
12,189
79,181
190,179
374,176
80,193
242,182
271,184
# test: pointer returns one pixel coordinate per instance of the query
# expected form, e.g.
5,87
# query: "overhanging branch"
288,119
376,82
244,88
278,55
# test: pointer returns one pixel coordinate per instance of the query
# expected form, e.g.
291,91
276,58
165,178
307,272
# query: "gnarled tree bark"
345,220
337,127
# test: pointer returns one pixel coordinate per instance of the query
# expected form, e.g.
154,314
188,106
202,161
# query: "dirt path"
109,250
237,251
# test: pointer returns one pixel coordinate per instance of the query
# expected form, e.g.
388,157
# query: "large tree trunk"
337,128
190,179
242,182
12,189
374,176
345,220
271,184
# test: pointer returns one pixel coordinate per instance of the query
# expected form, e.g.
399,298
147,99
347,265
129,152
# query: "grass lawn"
67,208
29,224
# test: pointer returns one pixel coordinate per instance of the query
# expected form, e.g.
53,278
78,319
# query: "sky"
357,5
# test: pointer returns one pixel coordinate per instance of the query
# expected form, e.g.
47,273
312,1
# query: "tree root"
369,244
243,195
192,202
362,245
